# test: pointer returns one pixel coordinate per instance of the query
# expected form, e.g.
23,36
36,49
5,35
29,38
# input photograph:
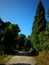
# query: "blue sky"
21,12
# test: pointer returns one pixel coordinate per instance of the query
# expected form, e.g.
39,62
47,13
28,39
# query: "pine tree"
39,24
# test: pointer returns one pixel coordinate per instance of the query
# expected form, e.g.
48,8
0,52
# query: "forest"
11,41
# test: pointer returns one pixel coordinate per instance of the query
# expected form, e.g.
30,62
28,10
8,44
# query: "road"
22,58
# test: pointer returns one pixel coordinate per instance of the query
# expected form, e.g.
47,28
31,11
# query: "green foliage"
47,26
27,44
10,40
7,24
39,26
8,37
1,50
2,25
21,41
40,31
44,40
40,21
34,52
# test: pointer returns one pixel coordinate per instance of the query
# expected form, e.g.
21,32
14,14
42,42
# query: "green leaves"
21,41
39,34
27,44
39,22
8,36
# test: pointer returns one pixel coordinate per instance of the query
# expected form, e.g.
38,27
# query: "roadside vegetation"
43,58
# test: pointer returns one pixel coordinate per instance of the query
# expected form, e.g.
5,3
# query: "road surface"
21,60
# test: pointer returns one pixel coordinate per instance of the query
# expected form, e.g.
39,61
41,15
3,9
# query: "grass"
43,58
4,59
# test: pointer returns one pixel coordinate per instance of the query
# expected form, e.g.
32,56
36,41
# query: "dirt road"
21,60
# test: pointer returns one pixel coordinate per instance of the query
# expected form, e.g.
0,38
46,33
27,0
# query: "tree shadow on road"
21,64
17,64
23,54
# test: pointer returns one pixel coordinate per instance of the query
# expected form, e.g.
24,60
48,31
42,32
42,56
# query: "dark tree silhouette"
21,41
10,36
27,44
39,24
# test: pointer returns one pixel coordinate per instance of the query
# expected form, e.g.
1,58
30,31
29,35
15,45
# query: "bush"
27,45
34,52
1,50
